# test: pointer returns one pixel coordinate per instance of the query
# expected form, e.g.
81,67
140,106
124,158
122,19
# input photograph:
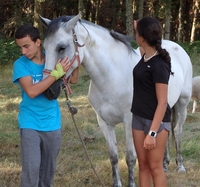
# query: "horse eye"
61,49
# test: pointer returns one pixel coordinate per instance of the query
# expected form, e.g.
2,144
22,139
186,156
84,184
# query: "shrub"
9,52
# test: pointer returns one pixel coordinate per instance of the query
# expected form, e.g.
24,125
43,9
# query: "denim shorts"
139,123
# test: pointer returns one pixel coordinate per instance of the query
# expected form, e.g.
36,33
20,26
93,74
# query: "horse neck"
101,52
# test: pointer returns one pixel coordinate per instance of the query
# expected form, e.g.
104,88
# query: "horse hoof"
132,185
114,185
165,169
181,169
117,185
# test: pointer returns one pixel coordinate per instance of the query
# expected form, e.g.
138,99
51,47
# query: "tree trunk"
81,8
97,11
140,9
38,9
180,25
194,22
129,17
167,19
13,23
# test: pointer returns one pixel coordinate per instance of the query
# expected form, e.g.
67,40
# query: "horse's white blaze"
109,65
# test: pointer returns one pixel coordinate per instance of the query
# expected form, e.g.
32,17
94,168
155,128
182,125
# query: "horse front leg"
130,151
109,134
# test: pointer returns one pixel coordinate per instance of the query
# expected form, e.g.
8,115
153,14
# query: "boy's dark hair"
27,30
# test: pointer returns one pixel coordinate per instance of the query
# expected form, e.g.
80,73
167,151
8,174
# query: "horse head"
61,41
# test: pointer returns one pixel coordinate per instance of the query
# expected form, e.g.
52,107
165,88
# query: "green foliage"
191,148
9,52
134,45
191,48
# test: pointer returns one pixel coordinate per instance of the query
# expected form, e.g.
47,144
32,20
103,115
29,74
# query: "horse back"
180,84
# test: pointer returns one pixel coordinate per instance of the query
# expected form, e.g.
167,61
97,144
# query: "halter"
75,57
76,54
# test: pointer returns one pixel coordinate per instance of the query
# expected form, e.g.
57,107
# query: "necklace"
146,59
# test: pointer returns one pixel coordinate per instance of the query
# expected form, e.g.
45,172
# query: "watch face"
153,134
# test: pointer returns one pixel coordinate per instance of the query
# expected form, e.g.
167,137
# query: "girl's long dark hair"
150,29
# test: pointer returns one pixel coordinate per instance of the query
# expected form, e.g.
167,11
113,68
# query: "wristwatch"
152,134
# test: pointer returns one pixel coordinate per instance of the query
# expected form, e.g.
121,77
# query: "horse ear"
45,21
72,22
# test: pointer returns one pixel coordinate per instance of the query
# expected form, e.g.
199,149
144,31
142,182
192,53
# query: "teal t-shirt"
37,113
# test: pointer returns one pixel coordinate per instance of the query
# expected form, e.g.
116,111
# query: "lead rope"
73,111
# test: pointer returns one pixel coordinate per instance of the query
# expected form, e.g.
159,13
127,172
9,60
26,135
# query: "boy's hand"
61,68
58,72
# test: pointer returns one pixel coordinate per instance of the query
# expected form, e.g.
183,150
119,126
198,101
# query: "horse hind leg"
166,159
109,134
180,117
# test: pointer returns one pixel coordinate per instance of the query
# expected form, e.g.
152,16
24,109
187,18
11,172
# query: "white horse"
109,59
195,92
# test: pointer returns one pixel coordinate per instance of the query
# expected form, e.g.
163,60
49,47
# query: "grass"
73,168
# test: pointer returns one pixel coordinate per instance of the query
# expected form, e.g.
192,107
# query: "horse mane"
120,37
123,38
56,23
